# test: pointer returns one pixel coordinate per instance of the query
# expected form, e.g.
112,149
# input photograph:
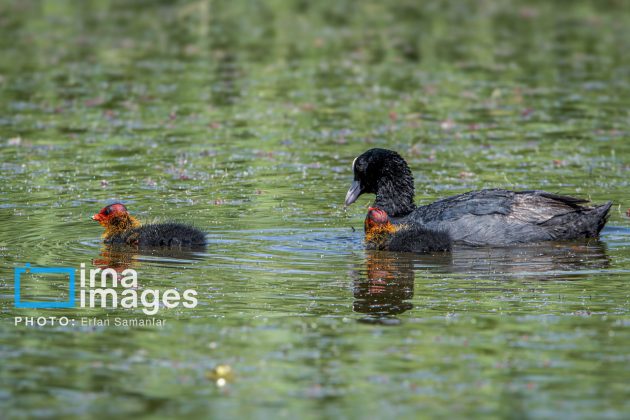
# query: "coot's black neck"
395,195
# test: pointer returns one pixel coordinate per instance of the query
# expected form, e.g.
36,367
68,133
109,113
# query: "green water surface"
244,118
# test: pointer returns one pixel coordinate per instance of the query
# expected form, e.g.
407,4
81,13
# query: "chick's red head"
376,217
108,213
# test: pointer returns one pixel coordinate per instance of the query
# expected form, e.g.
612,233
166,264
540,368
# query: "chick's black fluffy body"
416,239
168,234
420,240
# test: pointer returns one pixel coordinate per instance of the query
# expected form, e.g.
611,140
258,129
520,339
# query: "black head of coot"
384,173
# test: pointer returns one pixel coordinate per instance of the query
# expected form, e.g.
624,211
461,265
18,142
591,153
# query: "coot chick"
486,217
382,234
121,228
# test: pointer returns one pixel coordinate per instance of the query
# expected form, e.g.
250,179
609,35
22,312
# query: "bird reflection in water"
121,257
544,261
117,257
385,287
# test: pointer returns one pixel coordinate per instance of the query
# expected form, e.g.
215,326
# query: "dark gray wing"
500,217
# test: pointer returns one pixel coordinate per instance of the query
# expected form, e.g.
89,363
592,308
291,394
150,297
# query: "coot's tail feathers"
603,213
584,222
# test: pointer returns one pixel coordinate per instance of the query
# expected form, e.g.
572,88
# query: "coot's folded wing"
501,217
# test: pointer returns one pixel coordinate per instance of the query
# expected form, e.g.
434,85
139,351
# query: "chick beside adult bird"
486,217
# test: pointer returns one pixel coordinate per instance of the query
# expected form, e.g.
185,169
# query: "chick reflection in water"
121,257
116,257
385,288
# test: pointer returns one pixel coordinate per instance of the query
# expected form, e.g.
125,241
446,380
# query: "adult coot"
486,217
121,228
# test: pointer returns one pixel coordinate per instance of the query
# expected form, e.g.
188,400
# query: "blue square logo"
17,274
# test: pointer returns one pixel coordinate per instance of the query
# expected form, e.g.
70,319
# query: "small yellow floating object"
221,374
